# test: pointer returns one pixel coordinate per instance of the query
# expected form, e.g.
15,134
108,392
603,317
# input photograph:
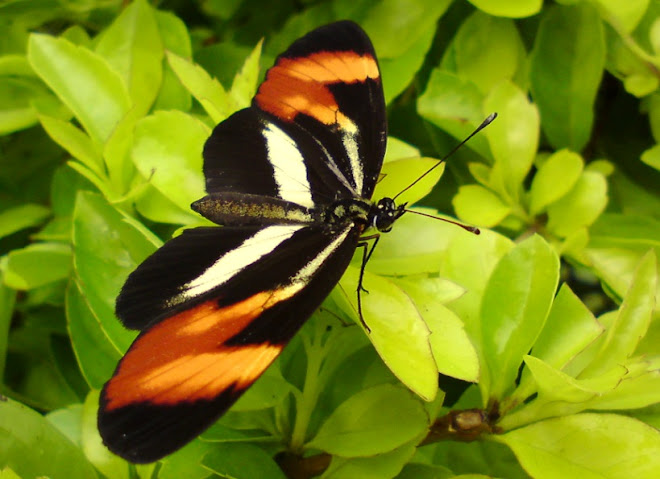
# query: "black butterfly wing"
217,314
316,130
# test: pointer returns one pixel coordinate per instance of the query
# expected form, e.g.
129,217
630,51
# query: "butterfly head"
385,213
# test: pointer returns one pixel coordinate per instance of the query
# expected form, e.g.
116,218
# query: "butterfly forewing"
215,306
323,98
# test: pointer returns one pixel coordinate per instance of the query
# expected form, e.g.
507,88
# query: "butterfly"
290,181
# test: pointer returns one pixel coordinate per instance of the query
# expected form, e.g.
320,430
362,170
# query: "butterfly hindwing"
195,359
149,293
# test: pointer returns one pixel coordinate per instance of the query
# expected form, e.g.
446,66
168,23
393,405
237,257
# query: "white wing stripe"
313,266
288,166
349,140
228,265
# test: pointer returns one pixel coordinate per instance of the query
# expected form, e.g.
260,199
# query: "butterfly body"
290,180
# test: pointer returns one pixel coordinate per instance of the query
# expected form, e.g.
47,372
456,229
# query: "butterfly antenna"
469,229
483,125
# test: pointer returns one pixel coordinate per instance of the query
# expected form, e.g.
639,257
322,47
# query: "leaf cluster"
544,330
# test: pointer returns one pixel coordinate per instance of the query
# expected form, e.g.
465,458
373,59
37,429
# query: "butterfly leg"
366,255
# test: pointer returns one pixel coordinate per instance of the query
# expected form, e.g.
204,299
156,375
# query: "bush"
544,329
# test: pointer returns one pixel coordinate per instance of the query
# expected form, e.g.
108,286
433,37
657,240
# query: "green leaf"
220,433
68,421
245,83
20,99
488,50
416,245
155,206
512,9
652,157
21,217
639,388
654,115
133,48
578,363
391,315
618,243
32,447
442,290
400,71
570,328
632,320
604,167
7,473
96,354
469,261
92,178
15,65
654,33
401,48
452,350
110,465
641,85
555,386
408,22
373,421
175,37
513,138
75,142
580,207
615,267
83,81
376,467
514,309
186,462
63,191
116,154
486,457
7,302
25,267
241,461
397,175
454,105
208,91
415,470
480,172
168,151
39,371
589,446
224,9
554,179
16,119
627,15
108,245
223,60
268,391
398,149
480,206
565,72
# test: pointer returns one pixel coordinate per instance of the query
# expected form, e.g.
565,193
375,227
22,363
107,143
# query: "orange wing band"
184,358
299,85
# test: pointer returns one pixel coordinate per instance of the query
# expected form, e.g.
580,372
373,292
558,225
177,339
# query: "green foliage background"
544,329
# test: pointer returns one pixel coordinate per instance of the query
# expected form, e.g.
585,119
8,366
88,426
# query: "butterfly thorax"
380,215
347,210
